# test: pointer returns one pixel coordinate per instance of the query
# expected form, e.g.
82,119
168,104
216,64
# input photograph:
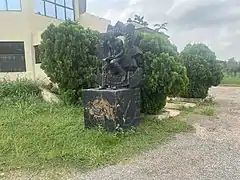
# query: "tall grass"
19,89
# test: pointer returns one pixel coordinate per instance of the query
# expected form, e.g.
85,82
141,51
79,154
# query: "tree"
158,27
68,56
139,20
203,70
129,20
232,66
164,76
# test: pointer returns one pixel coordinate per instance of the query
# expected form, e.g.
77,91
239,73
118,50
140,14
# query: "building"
23,21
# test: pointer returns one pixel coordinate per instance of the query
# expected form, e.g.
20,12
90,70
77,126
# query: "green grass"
35,134
230,80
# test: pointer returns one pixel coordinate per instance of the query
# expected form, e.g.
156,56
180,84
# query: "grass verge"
35,134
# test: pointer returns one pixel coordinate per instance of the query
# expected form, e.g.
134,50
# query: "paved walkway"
212,152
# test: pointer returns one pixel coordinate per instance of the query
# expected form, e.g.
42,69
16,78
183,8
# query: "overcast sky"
213,22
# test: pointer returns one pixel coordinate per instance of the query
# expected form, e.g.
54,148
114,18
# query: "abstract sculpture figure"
116,104
122,57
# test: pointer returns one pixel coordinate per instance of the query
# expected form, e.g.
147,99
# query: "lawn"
34,134
230,80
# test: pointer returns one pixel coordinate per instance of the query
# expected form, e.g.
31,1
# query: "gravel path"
212,152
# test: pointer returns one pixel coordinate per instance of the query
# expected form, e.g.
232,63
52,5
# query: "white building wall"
27,26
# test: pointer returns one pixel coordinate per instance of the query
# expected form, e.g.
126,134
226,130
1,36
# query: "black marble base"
111,109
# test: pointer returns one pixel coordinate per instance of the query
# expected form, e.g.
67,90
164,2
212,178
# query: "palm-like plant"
139,20
158,27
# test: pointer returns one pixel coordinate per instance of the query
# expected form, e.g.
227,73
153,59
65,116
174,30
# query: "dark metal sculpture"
116,105
123,65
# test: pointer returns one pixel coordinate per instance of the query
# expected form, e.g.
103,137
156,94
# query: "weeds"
208,111
19,89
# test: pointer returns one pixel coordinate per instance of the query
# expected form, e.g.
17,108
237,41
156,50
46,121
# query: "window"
10,5
69,3
61,2
39,7
60,13
50,9
12,57
37,54
60,9
69,14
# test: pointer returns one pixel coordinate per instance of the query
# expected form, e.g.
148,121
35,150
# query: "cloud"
207,14
214,22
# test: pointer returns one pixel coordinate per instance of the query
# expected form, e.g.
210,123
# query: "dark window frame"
7,9
55,8
14,51
37,54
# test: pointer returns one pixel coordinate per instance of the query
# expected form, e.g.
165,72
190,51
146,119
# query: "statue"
116,104
121,57
115,56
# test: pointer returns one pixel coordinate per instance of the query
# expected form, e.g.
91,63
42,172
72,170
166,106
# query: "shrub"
164,76
158,43
203,70
68,55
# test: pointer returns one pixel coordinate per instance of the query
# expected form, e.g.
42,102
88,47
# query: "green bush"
158,43
21,89
203,70
164,76
68,55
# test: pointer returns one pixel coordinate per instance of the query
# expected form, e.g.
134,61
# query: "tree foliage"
232,67
158,27
164,76
139,20
158,43
68,56
203,70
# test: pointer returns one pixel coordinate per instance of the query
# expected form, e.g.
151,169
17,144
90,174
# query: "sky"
213,22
